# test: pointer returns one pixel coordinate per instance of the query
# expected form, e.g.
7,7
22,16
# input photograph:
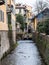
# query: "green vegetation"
9,22
10,37
43,27
40,27
47,26
42,41
20,19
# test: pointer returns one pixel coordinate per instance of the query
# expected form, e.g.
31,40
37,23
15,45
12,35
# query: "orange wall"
34,24
4,25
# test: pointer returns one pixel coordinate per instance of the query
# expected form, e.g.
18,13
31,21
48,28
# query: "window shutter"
1,16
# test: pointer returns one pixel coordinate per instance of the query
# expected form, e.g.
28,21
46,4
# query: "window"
1,15
0,40
19,10
11,7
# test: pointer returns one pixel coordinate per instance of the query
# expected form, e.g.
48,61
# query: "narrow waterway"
26,53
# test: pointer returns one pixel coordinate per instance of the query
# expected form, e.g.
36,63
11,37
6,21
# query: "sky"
28,2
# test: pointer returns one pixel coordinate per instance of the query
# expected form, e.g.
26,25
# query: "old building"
4,41
20,9
28,17
26,12
11,18
42,16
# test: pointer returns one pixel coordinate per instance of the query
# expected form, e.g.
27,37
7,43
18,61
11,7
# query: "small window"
1,15
19,10
0,40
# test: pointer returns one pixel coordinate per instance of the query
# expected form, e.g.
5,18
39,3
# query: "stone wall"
42,41
4,42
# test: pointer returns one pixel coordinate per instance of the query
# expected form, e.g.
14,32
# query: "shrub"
47,27
40,27
43,27
20,19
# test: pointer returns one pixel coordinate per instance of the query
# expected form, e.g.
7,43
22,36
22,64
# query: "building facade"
11,14
26,12
20,9
4,41
41,17
3,16
28,17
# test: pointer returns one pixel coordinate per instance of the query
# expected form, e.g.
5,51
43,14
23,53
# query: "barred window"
1,15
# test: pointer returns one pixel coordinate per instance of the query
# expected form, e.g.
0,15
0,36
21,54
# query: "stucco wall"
3,24
13,21
4,47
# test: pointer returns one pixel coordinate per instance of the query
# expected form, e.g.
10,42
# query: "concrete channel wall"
42,41
4,43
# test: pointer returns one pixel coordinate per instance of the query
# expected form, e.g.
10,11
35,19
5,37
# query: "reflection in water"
26,53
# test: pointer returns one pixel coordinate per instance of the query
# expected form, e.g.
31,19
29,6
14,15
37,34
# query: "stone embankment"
7,42
4,43
42,41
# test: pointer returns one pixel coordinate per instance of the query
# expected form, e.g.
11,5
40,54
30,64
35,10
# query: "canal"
26,53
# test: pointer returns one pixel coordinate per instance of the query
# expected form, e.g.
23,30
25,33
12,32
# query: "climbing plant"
20,19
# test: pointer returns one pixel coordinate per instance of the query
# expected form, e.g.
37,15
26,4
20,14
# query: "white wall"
22,11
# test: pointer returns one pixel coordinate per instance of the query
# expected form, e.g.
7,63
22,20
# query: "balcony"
2,2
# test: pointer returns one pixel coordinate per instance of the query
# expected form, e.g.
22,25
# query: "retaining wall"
4,42
42,41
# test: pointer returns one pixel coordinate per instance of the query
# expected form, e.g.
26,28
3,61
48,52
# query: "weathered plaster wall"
4,42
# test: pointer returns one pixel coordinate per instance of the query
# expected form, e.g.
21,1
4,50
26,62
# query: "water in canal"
26,53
